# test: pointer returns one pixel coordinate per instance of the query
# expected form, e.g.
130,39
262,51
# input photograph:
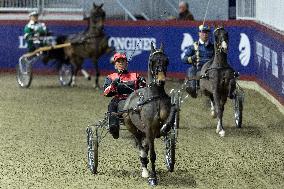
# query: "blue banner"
252,52
269,62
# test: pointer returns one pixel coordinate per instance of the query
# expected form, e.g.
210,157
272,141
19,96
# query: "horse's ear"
162,47
94,5
101,5
152,47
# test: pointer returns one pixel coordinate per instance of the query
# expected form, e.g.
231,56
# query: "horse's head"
221,39
97,17
157,66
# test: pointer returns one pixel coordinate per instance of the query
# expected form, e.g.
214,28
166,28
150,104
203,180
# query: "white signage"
245,50
132,46
283,65
266,56
274,63
259,52
187,41
23,44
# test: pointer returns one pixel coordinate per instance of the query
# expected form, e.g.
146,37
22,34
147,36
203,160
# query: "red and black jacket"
133,81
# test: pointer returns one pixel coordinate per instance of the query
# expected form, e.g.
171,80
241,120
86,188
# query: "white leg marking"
213,112
145,172
85,74
212,106
73,81
222,133
218,129
143,154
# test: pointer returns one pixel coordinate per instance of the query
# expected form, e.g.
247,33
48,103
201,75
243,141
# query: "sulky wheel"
170,144
65,74
92,142
238,109
24,73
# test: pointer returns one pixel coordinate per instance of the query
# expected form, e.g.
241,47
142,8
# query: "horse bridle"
160,67
219,44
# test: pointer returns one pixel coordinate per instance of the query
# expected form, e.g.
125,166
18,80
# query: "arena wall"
254,50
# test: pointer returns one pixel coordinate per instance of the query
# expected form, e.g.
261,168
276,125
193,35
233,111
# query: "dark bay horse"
218,79
92,43
148,109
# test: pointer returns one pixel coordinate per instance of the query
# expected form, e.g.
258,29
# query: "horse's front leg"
138,136
219,110
213,109
144,160
153,177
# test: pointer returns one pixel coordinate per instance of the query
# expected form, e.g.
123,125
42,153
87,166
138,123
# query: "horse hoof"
152,181
73,84
95,86
222,133
145,173
218,131
213,114
88,78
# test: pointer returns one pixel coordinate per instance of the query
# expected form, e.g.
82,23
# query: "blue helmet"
204,28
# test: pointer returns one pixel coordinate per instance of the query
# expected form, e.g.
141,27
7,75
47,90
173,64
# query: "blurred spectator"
184,13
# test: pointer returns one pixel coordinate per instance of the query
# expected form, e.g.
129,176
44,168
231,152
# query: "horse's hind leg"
232,88
85,74
76,62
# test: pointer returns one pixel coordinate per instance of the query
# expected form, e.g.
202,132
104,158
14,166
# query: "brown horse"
218,79
91,43
148,109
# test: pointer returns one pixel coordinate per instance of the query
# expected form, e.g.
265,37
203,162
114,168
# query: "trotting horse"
218,79
91,43
148,109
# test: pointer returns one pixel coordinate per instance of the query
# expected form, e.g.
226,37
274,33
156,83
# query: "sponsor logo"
274,63
132,46
283,65
23,44
187,41
282,87
245,50
259,52
266,56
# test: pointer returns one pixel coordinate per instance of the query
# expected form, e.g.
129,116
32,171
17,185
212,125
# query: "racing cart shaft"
48,48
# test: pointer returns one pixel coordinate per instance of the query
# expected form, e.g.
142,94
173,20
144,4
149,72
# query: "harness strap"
205,76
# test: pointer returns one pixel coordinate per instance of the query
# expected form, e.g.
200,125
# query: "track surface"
43,142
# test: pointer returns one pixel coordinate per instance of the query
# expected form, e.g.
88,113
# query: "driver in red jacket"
120,85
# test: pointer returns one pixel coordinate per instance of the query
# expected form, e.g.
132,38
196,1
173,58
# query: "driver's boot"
114,126
191,88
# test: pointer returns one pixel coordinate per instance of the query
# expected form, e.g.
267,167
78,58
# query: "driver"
34,31
120,85
196,56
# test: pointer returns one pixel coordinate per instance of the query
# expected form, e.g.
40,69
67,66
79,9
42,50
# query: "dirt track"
43,143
